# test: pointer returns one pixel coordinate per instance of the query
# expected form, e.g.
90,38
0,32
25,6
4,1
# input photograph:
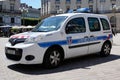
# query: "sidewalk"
116,39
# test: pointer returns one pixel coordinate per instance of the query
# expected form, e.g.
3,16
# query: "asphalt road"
91,67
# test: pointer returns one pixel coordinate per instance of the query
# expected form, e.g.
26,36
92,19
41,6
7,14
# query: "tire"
106,49
52,58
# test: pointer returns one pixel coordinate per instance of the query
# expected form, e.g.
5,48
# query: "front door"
77,37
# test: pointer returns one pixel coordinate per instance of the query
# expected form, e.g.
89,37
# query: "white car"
60,37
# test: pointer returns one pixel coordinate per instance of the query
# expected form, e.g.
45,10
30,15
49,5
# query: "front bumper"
25,53
16,55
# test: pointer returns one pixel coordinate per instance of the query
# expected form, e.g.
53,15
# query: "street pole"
23,10
115,19
96,6
23,18
114,14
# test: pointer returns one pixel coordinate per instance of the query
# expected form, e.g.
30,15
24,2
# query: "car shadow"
83,62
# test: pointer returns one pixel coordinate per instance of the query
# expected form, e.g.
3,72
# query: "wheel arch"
108,41
104,53
58,47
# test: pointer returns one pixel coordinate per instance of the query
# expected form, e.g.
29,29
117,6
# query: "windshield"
49,24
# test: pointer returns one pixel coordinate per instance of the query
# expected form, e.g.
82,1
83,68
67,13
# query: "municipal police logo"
69,40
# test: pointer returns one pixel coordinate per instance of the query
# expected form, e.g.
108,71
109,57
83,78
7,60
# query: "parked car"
61,37
5,30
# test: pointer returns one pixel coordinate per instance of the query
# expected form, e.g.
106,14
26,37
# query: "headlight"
31,40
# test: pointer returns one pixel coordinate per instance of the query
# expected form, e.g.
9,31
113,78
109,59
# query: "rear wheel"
52,58
106,49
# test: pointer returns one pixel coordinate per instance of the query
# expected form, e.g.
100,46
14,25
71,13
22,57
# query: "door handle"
92,36
85,36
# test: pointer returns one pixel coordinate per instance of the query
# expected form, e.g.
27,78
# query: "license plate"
10,51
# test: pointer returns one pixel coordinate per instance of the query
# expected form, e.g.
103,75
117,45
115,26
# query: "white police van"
60,37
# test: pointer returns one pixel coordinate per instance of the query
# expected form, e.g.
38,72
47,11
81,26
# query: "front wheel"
52,58
106,49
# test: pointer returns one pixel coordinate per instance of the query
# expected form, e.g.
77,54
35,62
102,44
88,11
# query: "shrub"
30,21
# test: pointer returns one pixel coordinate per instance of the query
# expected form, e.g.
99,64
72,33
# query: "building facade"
30,11
9,12
96,6
105,7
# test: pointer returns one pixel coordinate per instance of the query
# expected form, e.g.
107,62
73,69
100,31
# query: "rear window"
94,24
105,24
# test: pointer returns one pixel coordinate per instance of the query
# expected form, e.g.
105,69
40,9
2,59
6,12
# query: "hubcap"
55,58
107,49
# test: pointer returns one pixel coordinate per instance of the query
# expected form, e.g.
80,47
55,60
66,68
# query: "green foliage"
14,30
30,21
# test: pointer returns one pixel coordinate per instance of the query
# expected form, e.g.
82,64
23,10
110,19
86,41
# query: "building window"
91,8
102,0
67,8
57,7
78,1
1,19
90,1
68,1
0,7
12,7
12,20
57,1
113,5
113,0
12,0
78,6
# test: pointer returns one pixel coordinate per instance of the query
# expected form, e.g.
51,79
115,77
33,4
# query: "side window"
105,24
76,25
94,24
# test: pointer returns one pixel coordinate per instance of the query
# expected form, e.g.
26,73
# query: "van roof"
84,14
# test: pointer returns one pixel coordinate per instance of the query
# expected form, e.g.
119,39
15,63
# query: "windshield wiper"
38,31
